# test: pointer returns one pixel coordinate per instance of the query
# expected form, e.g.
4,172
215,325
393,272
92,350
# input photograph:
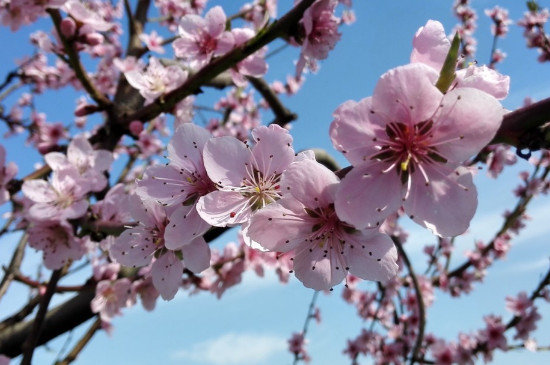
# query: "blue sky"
252,322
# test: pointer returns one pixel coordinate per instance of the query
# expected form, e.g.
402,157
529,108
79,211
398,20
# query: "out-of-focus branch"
59,320
521,128
13,268
83,342
419,300
32,340
283,116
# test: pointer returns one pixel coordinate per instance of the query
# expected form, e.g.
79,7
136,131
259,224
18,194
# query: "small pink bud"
85,109
93,39
136,127
68,27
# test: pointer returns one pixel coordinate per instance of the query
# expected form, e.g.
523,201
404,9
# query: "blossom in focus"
179,184
408,141
247,178
203,38
146,243
253,65
324,248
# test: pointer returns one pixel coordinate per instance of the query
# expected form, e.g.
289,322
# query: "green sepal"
448,74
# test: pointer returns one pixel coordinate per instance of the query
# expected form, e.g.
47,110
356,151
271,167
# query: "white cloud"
234,348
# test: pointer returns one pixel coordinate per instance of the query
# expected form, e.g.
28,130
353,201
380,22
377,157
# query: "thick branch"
522,122
59,320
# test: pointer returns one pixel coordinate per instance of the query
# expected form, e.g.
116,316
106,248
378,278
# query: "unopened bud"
68,27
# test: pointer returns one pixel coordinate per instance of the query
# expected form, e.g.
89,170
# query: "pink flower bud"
68,27
93,39
85,109
136,127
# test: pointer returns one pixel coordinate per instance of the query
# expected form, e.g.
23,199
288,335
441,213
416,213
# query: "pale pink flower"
91,164
180,183
501,20
157,80
138,246
111,297
146,290
297,345
325,249
409,140
493,334
57,243
247,178
113,208
62,197
320,26
203,38
87,16
499,156
443,352
519,305
153,41
7,173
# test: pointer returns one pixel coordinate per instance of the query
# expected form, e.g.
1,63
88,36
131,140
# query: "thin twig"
32,340
309,317
419,299
13,268
82,343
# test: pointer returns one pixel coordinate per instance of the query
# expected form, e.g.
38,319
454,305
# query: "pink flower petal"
167,273
225,160
431,45
445,206
196,255
468,121
407,94
372,256
367,195
215,21
297,180
317,270
185,226
224,208
273,151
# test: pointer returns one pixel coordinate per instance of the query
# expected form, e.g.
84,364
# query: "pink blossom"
320,26
57,243
111,297
247,178
325,248
113,208
297,345
179,184
493,334
7,173
91,164
499,156
87,16
138,246
443,352
157,80
518,305
409,140
153,41
203,38
62,197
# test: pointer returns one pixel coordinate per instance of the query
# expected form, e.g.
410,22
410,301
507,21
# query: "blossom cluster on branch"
103,199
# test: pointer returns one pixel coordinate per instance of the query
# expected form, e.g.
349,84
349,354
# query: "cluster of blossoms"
467,27
410,145
533,22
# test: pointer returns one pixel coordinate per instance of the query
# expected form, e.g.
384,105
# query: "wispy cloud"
233,349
